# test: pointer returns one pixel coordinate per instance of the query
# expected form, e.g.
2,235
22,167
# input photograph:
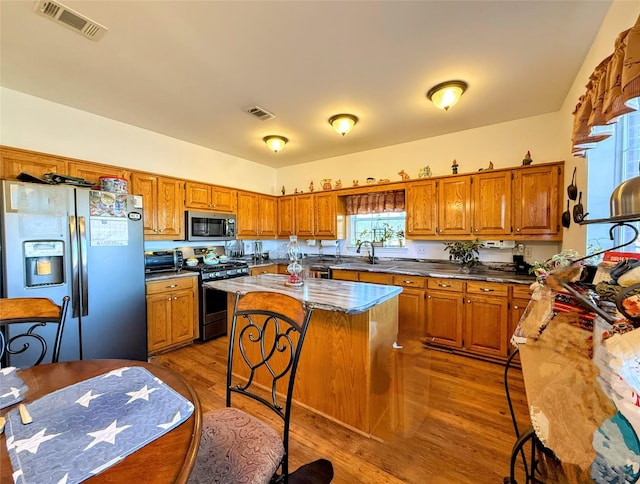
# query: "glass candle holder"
294,268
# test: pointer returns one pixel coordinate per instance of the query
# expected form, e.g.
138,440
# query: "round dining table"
167,459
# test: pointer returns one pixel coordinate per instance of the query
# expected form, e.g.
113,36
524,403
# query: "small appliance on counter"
163,261
522,267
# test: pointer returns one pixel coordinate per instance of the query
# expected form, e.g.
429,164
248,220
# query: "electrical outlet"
422,250
528,253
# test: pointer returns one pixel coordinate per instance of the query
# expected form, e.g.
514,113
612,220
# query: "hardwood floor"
454,420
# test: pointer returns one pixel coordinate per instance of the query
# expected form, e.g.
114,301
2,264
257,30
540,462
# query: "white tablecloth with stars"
80,430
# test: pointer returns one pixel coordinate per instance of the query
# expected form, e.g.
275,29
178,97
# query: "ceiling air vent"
71,19
261,114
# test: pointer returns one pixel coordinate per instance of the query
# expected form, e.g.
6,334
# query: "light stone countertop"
327,294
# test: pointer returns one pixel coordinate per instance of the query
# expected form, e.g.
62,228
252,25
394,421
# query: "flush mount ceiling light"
275,142
446,94
343,123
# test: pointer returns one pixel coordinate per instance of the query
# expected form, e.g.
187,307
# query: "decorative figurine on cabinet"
283,190
355,183
295,191
527,159
338,184
454,167
404,175
311,186
424,172
326,183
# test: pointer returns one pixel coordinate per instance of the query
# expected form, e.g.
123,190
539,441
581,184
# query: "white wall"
35,124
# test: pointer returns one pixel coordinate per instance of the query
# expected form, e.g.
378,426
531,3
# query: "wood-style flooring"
454,424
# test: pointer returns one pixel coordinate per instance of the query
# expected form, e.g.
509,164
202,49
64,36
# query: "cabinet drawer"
167,285
453,285
487,288
344,275
416,282
375,277
521,291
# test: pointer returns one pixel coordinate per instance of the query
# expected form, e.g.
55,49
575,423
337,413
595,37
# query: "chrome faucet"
372,255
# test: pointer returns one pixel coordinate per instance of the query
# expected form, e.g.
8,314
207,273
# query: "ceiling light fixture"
446,94
275,142
343,123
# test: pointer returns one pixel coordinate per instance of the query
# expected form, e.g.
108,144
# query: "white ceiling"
189,69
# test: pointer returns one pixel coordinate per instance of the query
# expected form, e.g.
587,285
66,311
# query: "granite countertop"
437,269
411,267
159,276
327,294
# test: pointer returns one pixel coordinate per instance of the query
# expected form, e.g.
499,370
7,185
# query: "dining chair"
16,338
266,337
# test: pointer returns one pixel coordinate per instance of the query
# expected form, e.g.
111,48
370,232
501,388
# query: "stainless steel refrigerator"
60,240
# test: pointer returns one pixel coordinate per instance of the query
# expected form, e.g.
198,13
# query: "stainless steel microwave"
201,226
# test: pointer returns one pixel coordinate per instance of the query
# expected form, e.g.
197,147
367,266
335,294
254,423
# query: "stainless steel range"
213,303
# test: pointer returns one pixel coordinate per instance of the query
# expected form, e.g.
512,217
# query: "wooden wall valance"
613,90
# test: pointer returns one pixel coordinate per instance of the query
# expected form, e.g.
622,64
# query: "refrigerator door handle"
83,261
75,268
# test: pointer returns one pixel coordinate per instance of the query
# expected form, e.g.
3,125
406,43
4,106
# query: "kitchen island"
346,367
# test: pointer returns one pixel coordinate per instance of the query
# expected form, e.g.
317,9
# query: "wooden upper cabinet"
421,208
537,201
454,205
162,205
93,171
304,215
210,197
247,223
267,216
491,198
286,216
16,161
329,216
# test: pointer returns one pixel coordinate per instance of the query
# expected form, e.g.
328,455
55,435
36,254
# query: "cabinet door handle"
428,297
171,286
516,307
443,285
175,298
407,282
486,289
169,298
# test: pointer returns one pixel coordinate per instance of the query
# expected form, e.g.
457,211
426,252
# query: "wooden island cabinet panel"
172,313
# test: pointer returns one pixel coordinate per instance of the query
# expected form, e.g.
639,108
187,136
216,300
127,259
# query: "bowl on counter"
192,262
223,258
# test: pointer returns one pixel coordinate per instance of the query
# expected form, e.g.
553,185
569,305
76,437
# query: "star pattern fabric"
80,430
12,388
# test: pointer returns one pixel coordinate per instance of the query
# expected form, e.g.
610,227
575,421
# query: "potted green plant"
464,252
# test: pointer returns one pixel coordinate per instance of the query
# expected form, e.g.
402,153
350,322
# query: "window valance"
391,201
613,90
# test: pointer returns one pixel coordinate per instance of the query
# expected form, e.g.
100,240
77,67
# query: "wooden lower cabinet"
172,313
255,271
444,312
486,316
411,304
